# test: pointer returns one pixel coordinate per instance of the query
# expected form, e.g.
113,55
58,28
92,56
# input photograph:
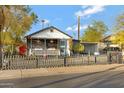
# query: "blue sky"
65,17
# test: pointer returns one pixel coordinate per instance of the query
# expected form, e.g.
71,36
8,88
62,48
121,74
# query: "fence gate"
114,57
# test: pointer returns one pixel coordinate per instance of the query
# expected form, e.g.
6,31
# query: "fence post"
109,57
64,60
119,57
88,59
36,62
9,65
95,60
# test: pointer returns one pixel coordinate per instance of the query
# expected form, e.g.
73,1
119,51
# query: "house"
48,41
109,45
102,46
89,47
107,40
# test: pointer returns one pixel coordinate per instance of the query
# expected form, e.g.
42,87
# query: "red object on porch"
22,49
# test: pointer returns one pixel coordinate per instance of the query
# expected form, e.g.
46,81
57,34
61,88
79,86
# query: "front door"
63,46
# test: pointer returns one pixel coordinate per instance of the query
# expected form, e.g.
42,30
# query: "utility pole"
78,27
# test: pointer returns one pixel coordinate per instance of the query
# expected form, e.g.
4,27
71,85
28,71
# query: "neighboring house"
48,41
90,47
107,40
102,46
109,45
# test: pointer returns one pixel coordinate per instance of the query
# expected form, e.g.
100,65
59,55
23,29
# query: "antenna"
43,21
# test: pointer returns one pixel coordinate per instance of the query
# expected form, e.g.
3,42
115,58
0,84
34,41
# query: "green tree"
78,48
17,21
94,32
118,36
119,26
100,27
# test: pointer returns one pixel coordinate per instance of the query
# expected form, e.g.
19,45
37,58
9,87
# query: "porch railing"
46,52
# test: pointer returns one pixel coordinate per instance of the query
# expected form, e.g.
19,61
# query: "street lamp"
1,27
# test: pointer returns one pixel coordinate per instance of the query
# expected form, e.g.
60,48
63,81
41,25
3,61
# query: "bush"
78,48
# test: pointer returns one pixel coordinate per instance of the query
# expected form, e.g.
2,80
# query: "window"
52,44
62,43
38,43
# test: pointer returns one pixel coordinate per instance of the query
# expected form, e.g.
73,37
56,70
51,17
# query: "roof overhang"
48,36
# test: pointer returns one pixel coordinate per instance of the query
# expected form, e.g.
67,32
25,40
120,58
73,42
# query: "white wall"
48,34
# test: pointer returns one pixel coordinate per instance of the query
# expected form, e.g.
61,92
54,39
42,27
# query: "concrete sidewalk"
27,73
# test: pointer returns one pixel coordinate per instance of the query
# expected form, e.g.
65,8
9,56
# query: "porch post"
65,47
27,43
45,47
58,46
65,54
30,46
45,43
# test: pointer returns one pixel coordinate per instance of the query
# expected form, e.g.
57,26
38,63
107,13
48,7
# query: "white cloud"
85,6
84,27
90,10
75,27
69,29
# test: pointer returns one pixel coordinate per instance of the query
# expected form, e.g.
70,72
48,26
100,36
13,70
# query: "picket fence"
29,62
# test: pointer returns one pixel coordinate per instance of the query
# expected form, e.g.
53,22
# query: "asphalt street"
112,78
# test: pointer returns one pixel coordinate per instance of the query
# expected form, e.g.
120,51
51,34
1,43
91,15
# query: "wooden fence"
29,62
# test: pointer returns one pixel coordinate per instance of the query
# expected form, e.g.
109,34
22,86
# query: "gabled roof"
51,27
106,38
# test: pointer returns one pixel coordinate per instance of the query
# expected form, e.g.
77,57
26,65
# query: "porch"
39,46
